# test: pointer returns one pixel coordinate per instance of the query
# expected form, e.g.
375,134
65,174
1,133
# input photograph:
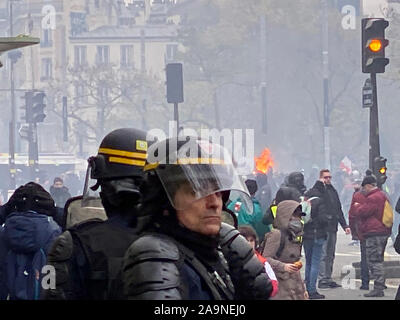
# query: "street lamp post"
11,156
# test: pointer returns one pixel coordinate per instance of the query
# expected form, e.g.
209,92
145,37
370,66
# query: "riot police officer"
185,253
88,256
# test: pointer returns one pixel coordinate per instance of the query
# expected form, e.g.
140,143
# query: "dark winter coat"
291,285
60,195
317,227
398,206
370,213
334,209
355,224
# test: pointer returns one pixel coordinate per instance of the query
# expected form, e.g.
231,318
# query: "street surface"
345,255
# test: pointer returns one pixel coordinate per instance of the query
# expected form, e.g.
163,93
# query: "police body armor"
160,260
90,253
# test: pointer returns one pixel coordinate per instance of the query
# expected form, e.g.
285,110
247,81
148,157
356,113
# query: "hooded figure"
292,189
283,249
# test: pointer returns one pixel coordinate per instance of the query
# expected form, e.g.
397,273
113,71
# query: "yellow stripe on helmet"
122,153
151,166
131,162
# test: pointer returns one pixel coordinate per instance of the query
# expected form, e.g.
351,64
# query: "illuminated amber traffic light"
380,169
373,44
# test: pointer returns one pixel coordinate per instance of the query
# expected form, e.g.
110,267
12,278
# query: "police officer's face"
202,215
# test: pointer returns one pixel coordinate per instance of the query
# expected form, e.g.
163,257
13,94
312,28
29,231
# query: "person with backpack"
25,240
282,249
315,235
88,256
376,220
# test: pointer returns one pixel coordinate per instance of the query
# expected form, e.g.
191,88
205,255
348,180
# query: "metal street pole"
374,146
325,65
11,156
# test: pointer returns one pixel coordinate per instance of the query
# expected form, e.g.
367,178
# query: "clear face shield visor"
198,177
91,192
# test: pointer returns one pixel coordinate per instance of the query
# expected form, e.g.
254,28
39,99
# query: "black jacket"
398,206
333,207
316,228
60,195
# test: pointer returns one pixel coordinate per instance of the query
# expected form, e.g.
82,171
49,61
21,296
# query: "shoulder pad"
227,233
239,248
62,248
152,246
150,270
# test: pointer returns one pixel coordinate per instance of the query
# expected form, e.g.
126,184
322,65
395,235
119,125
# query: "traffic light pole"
11,156
374,146
33,153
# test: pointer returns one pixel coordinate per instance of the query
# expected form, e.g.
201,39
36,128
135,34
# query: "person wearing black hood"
184,253
293,189
59,192
25,240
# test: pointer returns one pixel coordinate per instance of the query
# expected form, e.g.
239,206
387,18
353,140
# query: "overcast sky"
373,7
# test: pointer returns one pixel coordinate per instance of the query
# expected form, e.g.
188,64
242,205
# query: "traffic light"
38,106
27,107
380,167
174,83
373,45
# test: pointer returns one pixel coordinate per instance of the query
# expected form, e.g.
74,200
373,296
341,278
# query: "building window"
103,54
97,4
47,67
126,55
170,52
80,56
80,96
47,40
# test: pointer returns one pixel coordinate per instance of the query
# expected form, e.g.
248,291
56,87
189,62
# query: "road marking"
353,254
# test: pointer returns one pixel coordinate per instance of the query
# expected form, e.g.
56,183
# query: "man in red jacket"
376,234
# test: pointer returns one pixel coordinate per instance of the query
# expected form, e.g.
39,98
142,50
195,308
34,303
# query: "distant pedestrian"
255,219
59,192
282,249
355,226
292,189
315,236
375,229
249,233
26,238
334,216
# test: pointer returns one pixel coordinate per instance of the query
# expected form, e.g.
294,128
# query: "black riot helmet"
118,169
198,165
122,153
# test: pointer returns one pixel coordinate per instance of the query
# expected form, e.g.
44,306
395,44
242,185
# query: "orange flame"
264,162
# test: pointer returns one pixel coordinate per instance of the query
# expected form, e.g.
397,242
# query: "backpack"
387,217
306,205
281,244
28,236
